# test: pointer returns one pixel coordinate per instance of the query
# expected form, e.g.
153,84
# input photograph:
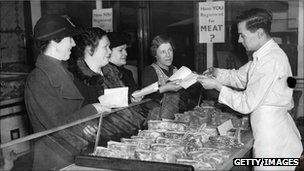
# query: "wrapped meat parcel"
158,156
150,134
141,143
173,134
100,151
166,126
224,142
162,140
166,147
124,148
105,152
195,140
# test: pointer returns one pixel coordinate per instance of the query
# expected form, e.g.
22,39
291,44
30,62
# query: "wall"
300,86
13,127
11,40
80,12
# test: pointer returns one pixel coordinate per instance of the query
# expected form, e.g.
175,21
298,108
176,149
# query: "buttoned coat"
52,100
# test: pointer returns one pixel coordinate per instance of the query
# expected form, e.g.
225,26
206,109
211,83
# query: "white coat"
267,98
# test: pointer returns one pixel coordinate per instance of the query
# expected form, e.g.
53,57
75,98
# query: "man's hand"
210,83
211,72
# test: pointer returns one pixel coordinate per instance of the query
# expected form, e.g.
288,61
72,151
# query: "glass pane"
57,147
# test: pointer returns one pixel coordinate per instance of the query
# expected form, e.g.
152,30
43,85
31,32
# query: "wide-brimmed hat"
54,27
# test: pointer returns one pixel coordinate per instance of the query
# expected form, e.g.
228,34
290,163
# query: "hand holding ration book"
114,97
185,74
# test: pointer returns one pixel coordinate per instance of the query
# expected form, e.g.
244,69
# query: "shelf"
11,101
11,110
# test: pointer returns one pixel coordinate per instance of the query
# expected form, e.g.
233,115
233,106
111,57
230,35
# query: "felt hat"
54,27
118,39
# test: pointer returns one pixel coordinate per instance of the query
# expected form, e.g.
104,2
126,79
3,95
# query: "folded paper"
114,97
186,75
181,73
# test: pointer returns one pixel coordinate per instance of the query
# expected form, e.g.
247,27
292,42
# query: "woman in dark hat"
115,73
52,99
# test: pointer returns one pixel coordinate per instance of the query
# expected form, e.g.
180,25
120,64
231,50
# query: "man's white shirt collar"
257,55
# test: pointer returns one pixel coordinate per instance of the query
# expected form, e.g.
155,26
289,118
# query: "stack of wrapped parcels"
191,138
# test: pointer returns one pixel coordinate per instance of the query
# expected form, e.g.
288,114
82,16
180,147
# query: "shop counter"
105,163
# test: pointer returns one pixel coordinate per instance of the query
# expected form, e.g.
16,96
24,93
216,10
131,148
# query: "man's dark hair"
256,18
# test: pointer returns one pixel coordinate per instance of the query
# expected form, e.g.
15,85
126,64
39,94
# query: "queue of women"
58,94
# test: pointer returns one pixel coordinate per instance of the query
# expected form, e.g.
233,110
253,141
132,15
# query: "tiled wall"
11,42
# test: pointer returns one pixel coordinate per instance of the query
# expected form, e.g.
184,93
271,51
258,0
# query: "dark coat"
52,100
116,76
89,83
123,123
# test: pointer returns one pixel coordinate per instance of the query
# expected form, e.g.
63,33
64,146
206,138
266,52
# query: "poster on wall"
103,18
212,22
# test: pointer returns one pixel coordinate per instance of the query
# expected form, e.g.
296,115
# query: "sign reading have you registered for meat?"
212,22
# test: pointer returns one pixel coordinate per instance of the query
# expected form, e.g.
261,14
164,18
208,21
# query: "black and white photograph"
151,85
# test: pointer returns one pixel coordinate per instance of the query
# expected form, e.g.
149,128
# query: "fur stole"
85,75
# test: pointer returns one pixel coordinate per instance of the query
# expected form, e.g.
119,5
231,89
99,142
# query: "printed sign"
103,18
212,22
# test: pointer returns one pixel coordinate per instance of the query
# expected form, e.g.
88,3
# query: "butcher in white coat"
265,94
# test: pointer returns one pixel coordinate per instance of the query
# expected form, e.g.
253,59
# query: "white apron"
275,136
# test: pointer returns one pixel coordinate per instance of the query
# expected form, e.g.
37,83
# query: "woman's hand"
211,72
100,108
136,99
210,83
90,131
171,86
